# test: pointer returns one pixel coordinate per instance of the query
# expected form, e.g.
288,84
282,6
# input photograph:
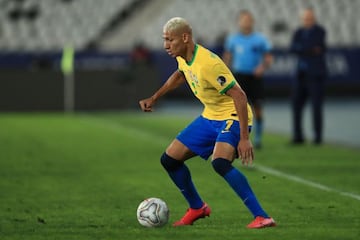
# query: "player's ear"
185,37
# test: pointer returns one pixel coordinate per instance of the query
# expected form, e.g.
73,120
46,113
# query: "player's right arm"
227,56
173,82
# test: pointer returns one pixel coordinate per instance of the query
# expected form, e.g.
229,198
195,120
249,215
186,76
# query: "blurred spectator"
308,43
248,55
41,62
140,54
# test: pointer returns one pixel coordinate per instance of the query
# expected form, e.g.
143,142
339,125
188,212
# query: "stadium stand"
43,25
275,18
33,33
49,24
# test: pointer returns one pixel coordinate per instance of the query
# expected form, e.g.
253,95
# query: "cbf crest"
193,77
194,81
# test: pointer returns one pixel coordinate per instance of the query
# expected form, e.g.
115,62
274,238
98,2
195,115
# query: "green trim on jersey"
228,87
193,58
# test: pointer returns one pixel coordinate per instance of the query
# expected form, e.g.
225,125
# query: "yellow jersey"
209,79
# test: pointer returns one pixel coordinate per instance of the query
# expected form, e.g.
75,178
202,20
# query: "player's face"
308,18
246,23
174,43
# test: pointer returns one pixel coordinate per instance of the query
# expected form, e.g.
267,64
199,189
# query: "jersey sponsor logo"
221,80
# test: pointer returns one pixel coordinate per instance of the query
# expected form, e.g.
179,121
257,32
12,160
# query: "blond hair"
177,24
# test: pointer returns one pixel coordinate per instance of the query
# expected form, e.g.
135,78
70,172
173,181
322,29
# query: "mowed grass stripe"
163,141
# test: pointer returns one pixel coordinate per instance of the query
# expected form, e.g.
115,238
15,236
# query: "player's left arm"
267,58
267,61
245,148
227,55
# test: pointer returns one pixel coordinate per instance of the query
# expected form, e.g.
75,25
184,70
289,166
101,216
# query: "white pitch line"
304,181
116,126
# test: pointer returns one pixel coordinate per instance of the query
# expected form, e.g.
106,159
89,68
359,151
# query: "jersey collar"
194,55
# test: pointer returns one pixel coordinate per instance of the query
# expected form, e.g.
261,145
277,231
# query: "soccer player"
222,130
248,55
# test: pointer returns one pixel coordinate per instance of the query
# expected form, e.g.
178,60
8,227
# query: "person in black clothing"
308,43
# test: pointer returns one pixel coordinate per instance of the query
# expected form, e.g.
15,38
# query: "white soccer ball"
153,212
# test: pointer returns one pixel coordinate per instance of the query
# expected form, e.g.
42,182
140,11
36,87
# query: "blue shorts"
202,134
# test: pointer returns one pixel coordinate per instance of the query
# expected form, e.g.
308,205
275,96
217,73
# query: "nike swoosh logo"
224,131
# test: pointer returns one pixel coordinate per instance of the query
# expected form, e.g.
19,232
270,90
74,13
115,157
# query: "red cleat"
261,222
192,215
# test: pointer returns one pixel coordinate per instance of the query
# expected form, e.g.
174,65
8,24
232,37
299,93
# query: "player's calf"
240,185
180,175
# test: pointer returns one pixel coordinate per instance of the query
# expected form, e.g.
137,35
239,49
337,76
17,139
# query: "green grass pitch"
82,177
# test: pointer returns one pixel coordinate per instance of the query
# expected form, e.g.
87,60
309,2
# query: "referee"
247,54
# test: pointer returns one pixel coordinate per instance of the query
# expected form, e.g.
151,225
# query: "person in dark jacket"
308,43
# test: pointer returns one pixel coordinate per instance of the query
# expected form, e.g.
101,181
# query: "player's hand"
246,153
147,104
259,71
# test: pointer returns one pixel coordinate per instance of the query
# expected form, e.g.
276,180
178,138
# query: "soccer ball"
153,212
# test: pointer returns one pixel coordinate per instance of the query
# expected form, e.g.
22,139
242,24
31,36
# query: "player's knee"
169,163
222,166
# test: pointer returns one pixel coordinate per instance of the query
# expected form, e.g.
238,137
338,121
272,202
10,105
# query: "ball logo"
150,214
221,80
